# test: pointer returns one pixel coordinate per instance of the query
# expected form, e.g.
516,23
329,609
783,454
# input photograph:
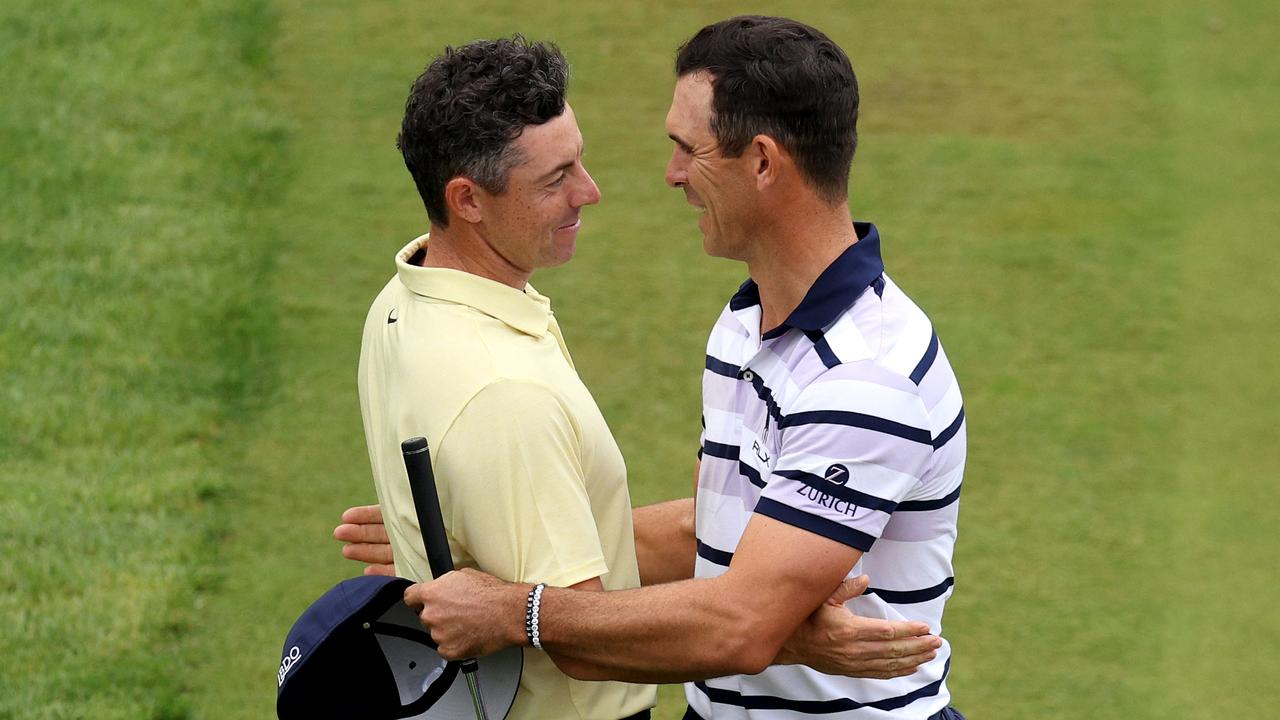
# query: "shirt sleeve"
854,445
511,477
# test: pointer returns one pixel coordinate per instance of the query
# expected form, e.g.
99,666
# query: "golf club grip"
426,502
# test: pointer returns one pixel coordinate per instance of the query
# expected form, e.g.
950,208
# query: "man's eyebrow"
683,145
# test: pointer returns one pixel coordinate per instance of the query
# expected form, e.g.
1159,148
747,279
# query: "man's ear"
767,161
464,199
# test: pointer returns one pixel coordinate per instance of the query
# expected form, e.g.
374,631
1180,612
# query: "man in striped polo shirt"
834,439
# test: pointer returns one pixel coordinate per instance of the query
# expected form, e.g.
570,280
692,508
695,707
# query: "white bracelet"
533,606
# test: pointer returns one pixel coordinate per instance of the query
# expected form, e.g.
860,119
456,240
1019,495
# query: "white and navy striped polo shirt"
846,421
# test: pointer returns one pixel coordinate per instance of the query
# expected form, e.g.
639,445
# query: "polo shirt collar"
833,292
524,310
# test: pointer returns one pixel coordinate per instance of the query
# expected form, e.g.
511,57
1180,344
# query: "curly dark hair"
467,108
784,79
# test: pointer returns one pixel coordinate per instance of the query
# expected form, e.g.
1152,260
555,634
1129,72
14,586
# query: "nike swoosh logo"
391,316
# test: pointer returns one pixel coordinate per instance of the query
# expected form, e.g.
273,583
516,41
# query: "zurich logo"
837,474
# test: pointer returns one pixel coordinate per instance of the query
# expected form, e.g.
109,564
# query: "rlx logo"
760,452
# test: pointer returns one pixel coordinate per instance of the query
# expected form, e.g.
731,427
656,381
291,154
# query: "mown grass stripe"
135,337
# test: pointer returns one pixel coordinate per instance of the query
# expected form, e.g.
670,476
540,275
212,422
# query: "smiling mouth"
577,222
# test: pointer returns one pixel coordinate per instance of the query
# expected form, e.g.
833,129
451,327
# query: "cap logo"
287,664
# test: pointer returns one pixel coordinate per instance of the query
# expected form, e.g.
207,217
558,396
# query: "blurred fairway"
199,201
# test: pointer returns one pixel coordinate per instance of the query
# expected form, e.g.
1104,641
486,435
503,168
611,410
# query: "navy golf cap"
359,651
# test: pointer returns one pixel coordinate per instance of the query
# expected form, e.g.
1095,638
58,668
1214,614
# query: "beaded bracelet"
533,604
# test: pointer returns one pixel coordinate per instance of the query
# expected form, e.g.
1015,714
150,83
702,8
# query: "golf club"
426,502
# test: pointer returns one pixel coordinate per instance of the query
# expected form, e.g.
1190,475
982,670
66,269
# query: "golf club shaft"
473,685
426,502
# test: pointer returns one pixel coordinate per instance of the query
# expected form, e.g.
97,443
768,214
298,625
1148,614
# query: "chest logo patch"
837,474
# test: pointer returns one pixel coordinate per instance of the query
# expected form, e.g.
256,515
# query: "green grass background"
200,199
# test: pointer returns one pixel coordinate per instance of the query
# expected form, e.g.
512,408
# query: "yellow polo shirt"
532,485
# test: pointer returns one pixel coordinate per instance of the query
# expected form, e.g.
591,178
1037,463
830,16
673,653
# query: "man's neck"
465,250
792,253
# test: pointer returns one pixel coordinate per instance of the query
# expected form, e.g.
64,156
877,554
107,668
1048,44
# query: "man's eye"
557,182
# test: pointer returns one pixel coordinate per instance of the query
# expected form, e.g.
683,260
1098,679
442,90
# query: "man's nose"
589,193
677,172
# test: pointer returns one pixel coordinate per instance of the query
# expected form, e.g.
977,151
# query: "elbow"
751,658
753,662
745,637
752,651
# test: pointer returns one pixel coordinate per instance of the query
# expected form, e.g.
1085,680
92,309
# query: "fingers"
864,628
905,629
386,570
363,515
362,533
877,629
885,668
849,589
912,647
417,594
883,650
413,596
419,598
366,553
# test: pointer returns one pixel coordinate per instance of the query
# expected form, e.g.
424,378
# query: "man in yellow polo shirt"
459,348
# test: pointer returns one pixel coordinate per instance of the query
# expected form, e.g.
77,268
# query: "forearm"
734,623
692,629
665,542
672,633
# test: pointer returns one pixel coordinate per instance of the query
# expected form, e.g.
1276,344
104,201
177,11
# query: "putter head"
359,651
